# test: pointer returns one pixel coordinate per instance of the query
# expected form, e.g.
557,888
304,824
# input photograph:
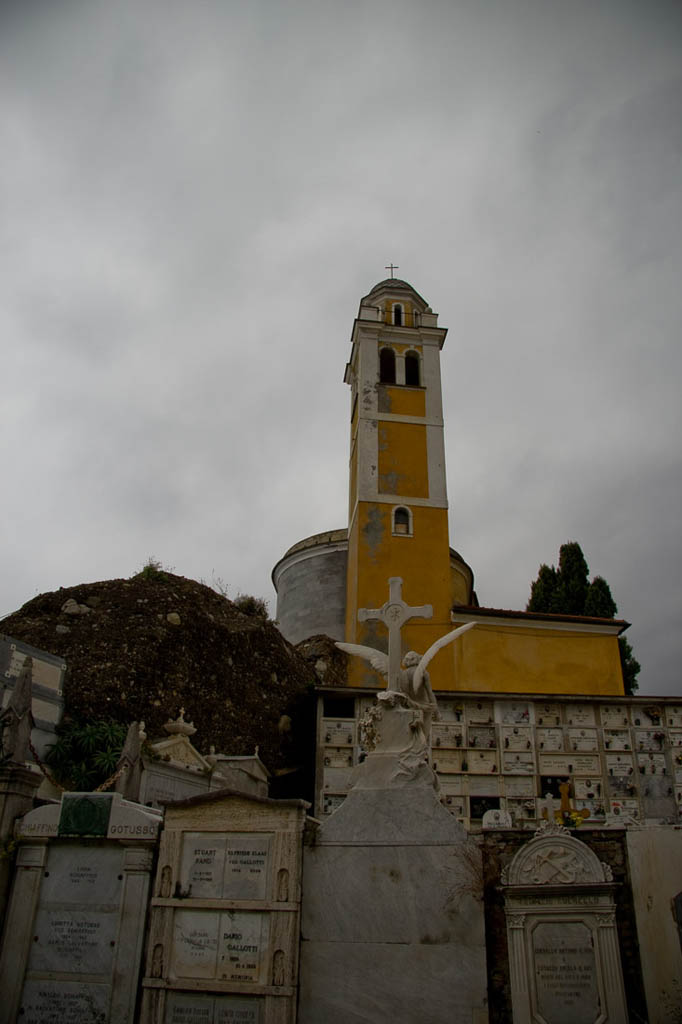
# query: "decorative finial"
392,267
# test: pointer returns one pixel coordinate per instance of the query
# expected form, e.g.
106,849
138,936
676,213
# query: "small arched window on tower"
387,366
397,314
402,521
412,376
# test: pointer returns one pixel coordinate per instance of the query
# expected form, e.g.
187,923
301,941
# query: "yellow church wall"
402,400
512,659
375,554
403,461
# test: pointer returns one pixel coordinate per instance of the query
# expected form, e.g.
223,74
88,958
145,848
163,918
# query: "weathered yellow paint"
528,659
403,401
403,462
459,586
423,563
353,483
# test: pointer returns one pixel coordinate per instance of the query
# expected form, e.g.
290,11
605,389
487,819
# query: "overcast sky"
196,195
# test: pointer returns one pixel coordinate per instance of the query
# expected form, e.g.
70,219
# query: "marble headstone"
564,958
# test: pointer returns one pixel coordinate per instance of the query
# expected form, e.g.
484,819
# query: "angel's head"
411,658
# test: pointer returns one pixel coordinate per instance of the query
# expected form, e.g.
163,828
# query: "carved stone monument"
224,930
392,925
564,957
75,922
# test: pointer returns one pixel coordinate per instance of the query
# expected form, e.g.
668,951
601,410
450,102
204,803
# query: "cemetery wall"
622,756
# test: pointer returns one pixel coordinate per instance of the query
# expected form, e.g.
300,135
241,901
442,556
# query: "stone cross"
394,614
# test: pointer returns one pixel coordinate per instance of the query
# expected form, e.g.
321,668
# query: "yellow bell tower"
398,508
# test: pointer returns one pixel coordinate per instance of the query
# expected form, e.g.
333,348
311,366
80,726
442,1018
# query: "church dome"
396,287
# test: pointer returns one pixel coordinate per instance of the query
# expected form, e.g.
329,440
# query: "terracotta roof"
507,613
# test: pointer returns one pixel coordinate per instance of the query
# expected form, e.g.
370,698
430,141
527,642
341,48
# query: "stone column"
137,866
20,917
17,789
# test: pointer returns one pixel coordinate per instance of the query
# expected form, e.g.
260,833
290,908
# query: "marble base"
392,925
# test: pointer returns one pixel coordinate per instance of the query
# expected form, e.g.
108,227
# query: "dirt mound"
145,647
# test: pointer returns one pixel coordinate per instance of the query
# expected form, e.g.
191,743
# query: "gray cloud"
196,196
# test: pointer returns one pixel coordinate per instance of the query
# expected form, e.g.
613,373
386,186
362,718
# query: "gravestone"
224,929
75,923
564,957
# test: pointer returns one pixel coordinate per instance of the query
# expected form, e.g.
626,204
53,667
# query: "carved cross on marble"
394,614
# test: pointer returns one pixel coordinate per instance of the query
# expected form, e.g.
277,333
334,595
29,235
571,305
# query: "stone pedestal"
392,923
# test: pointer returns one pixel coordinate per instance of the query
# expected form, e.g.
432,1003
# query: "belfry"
398,527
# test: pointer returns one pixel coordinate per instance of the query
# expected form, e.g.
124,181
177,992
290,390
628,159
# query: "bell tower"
398,508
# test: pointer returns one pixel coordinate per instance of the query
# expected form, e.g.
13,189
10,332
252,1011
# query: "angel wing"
377,659
433,649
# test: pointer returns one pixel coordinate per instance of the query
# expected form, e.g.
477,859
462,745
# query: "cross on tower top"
392,267
394,614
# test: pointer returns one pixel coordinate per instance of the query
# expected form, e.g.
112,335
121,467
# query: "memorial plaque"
513,713
658,799
482,760
677,770
649,739
580,714
91,875
73,941
595,806
457,805
453,784
570,764
516,737
449,760
582,739
337,780
673,717
243,943
338,757
330,802
675,738
550,739
64,1002
625,808
521,810
614,715
203,864
521,764
620,764
617,739
648,716
548,714
515,786
565,973
622,785
479,712
183,1008
246,866
588,789
482,737
450,711
652,764
338,734
484,786
446,735
195,943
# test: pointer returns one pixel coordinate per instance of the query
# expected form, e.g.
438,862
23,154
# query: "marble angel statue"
413,681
